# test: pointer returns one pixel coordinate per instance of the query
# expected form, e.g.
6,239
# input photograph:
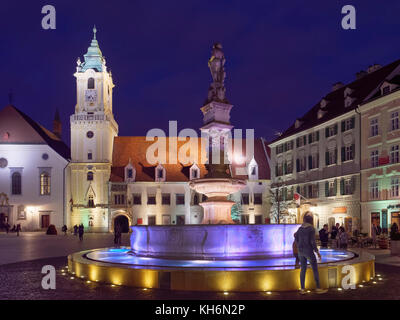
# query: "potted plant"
383,242
395,243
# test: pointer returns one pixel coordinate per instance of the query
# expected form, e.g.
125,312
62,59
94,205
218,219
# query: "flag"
297,197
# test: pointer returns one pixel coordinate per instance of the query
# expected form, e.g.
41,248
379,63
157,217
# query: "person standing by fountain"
306,245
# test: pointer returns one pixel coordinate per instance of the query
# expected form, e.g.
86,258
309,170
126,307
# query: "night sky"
282,57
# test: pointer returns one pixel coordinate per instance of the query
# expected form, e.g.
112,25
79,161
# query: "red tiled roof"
17,128
134,149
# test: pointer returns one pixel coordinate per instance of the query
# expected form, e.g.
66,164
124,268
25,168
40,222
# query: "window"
279,149
137,199
314,191
44,184
394,154
180,199
90,83
386,90
331,131
313,161
90,156
348,153
301,141
348,124
151,199
394,121
245,198
130,173
301,164
257,198
374,130
16,183
119,199
253,170
196,199
374,158
346,187
160,173
89,134
90,176
313,137
91,202
374,190
166,199
195,173
330,188
394,187
331,157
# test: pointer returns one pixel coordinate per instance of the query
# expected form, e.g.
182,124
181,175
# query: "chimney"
57,128
336,86
360,74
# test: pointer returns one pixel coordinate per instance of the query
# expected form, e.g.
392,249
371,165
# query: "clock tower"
93,129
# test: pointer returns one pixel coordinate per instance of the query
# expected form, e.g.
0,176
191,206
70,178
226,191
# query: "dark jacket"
305,239
323,235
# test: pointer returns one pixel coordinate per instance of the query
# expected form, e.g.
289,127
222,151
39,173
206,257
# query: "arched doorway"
123,222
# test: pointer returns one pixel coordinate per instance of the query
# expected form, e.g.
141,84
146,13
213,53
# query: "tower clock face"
90,95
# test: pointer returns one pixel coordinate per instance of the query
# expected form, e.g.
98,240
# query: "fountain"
216,255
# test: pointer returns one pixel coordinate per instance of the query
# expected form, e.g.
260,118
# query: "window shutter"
297,165
310,138
317,135
284,168
353,184
343,154
342,186
305,140
284,147
352,121
353,151
309,162
276,170
343,126
298,189
326,132
327,158
335,156
297,142
335,187
335,128
326,189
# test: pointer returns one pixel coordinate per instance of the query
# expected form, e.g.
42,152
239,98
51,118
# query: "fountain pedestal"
217,209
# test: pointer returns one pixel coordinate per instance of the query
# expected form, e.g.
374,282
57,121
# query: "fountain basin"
219,242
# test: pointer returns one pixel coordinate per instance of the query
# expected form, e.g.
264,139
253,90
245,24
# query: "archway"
123,222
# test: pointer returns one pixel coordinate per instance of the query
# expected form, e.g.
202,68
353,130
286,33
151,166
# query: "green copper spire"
93,58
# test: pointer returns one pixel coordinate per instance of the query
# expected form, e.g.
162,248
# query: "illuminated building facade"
319,156
32,164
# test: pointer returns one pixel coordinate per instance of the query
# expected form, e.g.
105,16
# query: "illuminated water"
122,256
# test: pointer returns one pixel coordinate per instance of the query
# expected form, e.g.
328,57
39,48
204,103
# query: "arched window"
90,176
90,83
44,184
16,183
91,202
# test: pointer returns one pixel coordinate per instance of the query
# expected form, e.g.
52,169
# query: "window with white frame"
394,154
314,161
394,187
349,153
348,186
331,157
394,120
332,188
374,129
374,189
374,158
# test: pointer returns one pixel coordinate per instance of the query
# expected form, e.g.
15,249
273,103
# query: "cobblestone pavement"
23,281
36,245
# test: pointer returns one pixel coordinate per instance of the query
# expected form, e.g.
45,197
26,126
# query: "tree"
236,211
279,203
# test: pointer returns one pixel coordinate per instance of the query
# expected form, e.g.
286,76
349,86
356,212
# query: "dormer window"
320,114
348,101
90,155
130,173
90,83
385,89
253,170
194,172
348,92
160,173
298,123
90,176
323,103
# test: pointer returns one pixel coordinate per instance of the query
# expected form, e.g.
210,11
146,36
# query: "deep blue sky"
282,56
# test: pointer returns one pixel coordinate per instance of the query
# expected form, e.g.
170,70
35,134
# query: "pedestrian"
295,252
343,238
395,228
81,231
334,231
324,236
64,229
373,234
306,245
75,230
18,229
